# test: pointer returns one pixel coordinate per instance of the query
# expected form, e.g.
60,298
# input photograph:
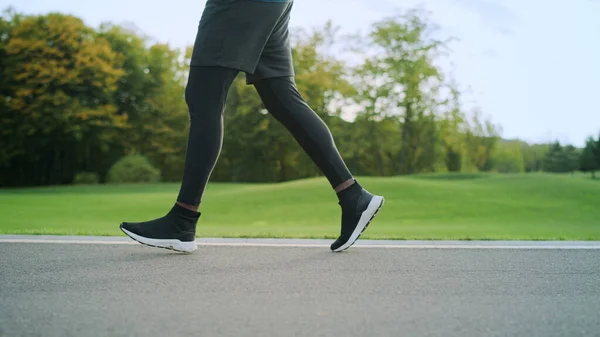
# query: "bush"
133,169
87,178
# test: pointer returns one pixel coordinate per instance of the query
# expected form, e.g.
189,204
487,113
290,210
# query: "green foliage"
597,151
400,80
133,169
589,160
58,83
86,178
150,95
77,99
561,159
9,149
508,158
534,155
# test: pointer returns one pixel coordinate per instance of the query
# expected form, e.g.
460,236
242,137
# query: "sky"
533,67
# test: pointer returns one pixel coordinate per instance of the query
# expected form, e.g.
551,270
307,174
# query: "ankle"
344,185
184,212
350,193
187,206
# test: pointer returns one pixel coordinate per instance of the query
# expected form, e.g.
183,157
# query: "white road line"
87,242
400,246
387,245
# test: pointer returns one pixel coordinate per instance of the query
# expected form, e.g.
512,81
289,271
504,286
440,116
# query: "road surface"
84,290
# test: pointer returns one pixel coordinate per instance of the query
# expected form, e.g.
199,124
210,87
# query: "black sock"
349,194
184,213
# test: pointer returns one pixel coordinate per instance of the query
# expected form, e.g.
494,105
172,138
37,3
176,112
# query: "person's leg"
205,95
274,81
231,36
283,101
276,63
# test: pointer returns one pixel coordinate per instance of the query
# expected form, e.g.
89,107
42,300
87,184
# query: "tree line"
77,101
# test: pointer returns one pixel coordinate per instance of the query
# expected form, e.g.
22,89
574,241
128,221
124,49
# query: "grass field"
481,206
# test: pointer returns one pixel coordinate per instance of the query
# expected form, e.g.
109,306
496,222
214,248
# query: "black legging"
205,95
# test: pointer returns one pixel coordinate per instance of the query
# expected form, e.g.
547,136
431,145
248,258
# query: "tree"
58,91
508,158
400,80
151,96
589,161
11,147
481,139
571,159
533,155
597,152
74,99
452,136
561,159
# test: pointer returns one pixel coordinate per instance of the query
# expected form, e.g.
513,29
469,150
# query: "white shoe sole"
365,218
172,244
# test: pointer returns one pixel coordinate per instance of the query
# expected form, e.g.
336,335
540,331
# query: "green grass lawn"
481,206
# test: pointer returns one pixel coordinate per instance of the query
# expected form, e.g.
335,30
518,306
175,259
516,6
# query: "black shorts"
250,36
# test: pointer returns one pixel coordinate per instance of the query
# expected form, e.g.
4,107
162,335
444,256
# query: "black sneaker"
355,219
175,231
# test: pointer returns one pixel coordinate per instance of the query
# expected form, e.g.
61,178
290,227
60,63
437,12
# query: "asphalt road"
131,290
